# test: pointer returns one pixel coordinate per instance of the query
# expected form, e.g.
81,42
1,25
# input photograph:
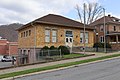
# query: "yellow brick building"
51,30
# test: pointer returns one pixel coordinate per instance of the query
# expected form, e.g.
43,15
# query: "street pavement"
105,70
15,69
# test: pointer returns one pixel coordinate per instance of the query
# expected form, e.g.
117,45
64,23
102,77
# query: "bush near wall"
52,48
45,48
64,50
101,45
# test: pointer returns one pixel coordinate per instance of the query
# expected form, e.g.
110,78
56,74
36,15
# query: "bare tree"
93,12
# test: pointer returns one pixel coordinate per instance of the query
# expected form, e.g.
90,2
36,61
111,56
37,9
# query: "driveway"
106,70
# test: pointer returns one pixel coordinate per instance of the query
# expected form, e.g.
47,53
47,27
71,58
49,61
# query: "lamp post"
104,32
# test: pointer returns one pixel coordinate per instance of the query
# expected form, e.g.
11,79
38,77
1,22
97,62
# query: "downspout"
34,41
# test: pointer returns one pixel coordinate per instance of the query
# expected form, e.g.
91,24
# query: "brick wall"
115,46
8,48
3,47
29,42
13,48
26,42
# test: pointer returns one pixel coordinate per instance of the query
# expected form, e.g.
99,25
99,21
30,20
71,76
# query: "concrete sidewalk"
54,63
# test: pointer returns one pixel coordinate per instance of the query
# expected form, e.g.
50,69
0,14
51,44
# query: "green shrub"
101,45
45,48
108,45
52,48
64,50
54,51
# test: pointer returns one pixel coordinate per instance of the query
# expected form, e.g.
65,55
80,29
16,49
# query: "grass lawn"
74,55
55,66
69,56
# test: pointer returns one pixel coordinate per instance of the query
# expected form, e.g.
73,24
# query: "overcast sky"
24,11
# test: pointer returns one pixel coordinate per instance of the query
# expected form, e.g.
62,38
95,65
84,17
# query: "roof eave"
42,22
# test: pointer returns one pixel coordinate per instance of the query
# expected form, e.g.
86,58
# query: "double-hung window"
26,33
101,28
82,37
29,32
102,39
86,37
21,35
54,36
114,28
47,35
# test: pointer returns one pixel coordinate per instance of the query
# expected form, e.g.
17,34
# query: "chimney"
109,15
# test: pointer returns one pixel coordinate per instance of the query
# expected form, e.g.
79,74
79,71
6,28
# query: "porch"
114,40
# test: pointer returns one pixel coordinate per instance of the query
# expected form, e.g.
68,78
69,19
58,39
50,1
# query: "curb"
46,71
44,62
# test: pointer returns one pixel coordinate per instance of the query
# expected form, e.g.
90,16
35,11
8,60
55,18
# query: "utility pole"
84,27
104,32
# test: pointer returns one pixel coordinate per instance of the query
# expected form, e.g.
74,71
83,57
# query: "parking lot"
5,64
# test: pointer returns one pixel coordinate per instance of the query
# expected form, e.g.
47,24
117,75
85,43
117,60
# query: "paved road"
107,70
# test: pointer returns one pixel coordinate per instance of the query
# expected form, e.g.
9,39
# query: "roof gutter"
42,22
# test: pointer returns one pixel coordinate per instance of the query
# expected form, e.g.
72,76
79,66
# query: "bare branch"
79,14
89,12
93,12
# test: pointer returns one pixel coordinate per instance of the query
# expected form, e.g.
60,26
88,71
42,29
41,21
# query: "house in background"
8,48
112,26
51,30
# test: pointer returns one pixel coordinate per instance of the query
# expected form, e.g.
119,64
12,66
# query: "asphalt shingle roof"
108,19
57,20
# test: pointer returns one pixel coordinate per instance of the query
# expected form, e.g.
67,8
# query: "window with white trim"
101,28
69,34
82,37
114,28
86,37
47,35
101,39
21,35
54,36
29,32
26,33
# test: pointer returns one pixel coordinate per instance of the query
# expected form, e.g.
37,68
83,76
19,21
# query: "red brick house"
112,26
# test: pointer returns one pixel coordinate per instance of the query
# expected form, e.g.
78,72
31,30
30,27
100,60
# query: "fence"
48,54
90,49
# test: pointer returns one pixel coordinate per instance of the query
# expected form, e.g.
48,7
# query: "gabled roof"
108,19
57,20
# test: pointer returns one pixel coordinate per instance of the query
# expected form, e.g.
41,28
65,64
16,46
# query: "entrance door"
69,41
69,38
